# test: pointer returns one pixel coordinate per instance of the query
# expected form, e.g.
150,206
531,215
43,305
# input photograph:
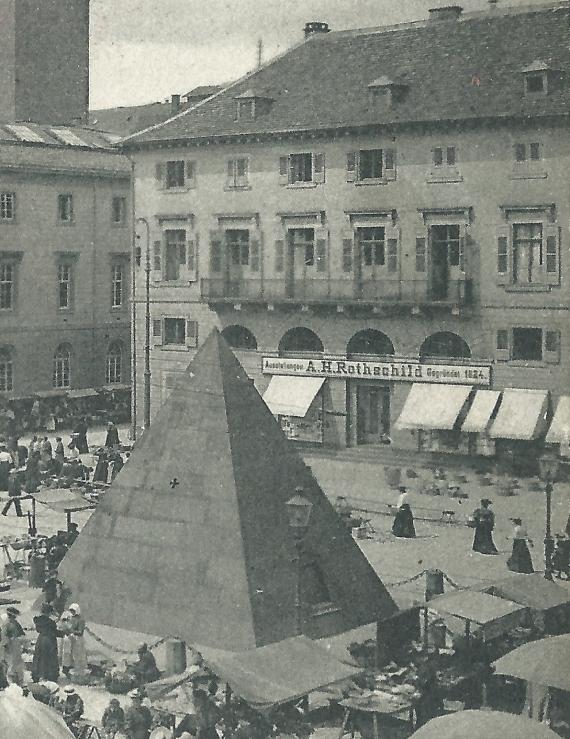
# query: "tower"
44,61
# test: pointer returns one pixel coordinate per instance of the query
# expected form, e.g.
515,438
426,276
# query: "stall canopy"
21,717
62,499
278,673
84,392
479,414
291,396
483,725
544,661
532,591
433,406
488,615
522,415
192,538
559,431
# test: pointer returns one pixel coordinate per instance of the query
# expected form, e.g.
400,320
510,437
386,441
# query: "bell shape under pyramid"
192,539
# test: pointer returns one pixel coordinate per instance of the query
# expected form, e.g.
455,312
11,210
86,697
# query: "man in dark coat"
145,669
138,718
113,719
45,664
80,432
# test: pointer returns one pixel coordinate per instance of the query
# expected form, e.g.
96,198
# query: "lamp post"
146,374
299,512
548,471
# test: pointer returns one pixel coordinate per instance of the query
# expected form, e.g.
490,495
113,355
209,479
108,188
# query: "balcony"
367,293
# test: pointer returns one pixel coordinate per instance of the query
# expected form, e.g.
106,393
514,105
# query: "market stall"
21,716
482,725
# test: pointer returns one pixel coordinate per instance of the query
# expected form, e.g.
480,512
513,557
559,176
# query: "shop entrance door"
373,413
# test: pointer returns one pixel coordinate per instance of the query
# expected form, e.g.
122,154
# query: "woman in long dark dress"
45,664
484,521
520,559
403,525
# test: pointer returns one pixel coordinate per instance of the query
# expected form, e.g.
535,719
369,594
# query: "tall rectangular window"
370,164
117,277
174,253
175,174
64,285
6,285
527,253
527,344
119,211
238,172
372,246
7,206
6,372
238,245
65,208
300,168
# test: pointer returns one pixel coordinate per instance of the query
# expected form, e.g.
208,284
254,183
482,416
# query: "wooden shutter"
552,346
503,255
502,345
321,248
192,334
318,168
182,254
392,236
279,255
191,174
157,260
191,256
283,170
348,251
389,164
254,250
421,251
462,248
552,261
230,178
157,331
216,241
352,166
159,172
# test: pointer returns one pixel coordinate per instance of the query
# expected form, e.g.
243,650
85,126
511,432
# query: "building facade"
386,248
65,242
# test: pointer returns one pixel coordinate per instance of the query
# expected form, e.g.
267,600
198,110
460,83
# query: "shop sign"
396,371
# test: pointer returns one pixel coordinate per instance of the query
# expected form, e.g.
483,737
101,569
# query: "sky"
145,50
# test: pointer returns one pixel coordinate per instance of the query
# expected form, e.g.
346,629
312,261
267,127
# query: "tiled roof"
62,136
128,119
469,68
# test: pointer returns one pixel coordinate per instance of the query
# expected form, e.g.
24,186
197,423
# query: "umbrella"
483,725
21,716
544,661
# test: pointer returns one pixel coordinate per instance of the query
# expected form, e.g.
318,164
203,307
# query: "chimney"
492,4
446,13
174,104
316,27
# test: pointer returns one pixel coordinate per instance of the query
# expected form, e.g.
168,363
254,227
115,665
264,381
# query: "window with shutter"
279,255
192,334
462,247
392,256
159,173
283,170
182,254
421,253
347,251
321,238
502,345
503,256
254,251
191,174
191,265
552,255
389,164
318,168
157,331
552,346
352,166
215,251
157,259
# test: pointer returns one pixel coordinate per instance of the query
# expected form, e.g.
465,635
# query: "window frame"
232,173
65,215
173,169
165,332
387,158
62,372
114,363
117,285
317,169
7,263
122,210
550,346
68,283
6,196
6,370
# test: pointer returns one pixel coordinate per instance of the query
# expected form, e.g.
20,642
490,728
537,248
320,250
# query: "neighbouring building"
65,227
377,221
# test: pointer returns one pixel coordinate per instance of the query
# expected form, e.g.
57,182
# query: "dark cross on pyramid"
212,561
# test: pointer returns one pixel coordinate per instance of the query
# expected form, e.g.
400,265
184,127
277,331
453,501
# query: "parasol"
483,725
544,662
21,716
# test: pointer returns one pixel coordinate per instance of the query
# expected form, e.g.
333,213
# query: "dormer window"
251,105
384,92
536,77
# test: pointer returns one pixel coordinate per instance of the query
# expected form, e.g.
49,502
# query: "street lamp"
299,512
548,471
146,406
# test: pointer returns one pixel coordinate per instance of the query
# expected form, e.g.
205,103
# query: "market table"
377,702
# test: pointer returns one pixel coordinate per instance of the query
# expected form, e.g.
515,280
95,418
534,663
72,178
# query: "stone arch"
239,337
370,341
445,344
300,339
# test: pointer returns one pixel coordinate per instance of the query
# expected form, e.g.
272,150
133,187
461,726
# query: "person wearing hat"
520,559
112,438
144,669
138,718
72,707
45,664
65,655
12,635
77,631
484,522
113,719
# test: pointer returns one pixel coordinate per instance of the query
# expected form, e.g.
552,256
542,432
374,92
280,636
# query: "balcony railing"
366,292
